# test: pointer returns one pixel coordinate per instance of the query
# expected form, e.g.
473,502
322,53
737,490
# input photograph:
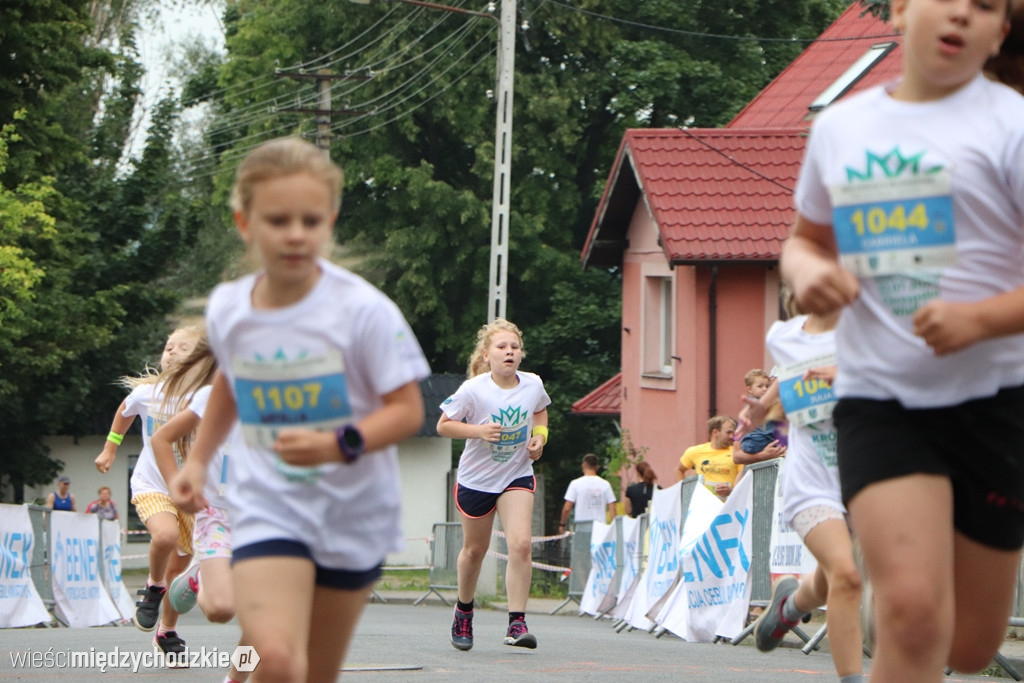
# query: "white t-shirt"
590,496
320,363
810,474
490,467
227,456
973,140
145,401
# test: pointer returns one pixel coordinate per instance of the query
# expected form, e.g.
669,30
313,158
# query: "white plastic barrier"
110,535
602,567
20,603
663,560
80,597
713,596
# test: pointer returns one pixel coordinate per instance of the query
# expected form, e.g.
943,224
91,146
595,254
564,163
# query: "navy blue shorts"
475,504
340,579
978,445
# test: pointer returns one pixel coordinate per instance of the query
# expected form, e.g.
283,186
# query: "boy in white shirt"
590,495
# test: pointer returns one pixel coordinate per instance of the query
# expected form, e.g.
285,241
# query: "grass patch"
405,580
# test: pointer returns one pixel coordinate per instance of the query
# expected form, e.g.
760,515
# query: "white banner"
663,555
110,536
81,599
714,594
630,569
788,553
20,604
602,567
704,507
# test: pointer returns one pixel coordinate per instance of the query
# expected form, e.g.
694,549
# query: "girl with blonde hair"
501,412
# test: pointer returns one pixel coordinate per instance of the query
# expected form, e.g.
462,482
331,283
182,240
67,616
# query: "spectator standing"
638,495
103,506
62,498
713,460
589,495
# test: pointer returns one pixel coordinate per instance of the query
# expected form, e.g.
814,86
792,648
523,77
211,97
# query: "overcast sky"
157,48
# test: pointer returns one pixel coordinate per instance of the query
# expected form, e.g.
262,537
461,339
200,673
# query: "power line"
713,36
735,161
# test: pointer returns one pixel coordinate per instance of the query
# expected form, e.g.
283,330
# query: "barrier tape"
536,539
535,565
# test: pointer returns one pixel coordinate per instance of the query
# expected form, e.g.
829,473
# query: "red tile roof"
715,194
784,102
605,400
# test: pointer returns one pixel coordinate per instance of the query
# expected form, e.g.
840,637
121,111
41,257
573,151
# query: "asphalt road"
402,642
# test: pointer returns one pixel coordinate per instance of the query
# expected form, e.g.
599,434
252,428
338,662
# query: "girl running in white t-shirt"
502,414
211,539
322,372
170,529
804,350
910,218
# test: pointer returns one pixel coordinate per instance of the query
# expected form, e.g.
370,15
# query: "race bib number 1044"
895,225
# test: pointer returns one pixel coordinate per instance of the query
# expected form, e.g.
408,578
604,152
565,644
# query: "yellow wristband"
115,437
543,431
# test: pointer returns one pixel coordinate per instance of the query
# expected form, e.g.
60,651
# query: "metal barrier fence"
40,517
762,515
444,560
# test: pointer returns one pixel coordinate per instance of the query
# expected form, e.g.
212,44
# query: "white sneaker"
184,590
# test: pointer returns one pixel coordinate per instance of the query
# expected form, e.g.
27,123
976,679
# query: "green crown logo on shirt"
279,357
890,165
512,415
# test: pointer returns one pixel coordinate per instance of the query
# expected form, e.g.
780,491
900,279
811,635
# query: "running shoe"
771,627
147,610
184,589
173,648
462,630
519,636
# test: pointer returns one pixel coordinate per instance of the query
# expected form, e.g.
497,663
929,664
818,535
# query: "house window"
850,77
658,326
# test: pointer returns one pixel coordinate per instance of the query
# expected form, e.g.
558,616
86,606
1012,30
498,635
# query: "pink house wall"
665,415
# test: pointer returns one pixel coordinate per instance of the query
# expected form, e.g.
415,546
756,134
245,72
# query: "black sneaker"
147,610
462,630
173,648
519,636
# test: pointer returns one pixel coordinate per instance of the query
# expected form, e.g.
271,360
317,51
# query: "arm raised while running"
535,447
454,429
120,426
187,486
810,264
399,418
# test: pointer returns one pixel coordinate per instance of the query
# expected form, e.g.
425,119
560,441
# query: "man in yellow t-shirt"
713,459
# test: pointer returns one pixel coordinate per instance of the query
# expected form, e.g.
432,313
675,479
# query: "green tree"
416,141
90,239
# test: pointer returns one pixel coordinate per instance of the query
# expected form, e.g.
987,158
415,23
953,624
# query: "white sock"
790,611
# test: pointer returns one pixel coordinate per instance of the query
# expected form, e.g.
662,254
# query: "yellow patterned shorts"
152,502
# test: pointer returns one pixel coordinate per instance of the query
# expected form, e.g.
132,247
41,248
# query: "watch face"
353,439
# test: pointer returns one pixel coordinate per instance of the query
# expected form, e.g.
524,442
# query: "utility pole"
498,288
498,280
323,111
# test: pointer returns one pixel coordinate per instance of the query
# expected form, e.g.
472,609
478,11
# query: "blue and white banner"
75,556
663,555
789,555
602,567
110,537
632,552
20,604
714,595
